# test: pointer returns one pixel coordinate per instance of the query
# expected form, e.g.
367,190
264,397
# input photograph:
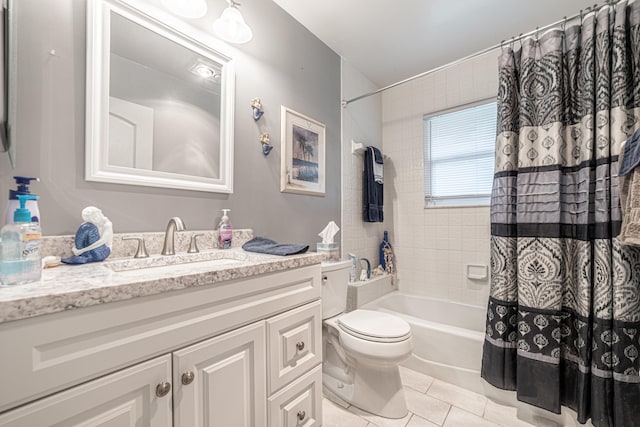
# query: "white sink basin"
214,257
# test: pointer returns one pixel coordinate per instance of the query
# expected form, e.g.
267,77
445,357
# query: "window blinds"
459,156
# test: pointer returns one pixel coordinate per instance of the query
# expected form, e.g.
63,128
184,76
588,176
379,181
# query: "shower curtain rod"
564,20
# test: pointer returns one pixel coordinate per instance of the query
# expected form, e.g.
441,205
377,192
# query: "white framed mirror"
159,104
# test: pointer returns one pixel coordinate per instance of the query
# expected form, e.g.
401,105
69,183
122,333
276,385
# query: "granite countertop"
68,287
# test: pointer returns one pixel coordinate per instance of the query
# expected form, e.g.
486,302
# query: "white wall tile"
362,122
434,245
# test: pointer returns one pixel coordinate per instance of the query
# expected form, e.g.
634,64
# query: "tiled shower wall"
361,121
433,246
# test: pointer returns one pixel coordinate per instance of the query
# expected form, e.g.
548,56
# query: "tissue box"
331,250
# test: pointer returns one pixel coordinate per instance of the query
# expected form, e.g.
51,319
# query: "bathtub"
447,341
447,336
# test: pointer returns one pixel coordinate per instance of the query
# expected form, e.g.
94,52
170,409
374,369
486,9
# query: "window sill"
456,206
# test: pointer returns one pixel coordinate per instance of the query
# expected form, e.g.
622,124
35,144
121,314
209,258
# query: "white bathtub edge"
465,378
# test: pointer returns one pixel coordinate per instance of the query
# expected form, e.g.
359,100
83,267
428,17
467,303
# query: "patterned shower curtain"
563,319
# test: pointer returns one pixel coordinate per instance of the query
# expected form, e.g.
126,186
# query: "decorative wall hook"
256,107
266,146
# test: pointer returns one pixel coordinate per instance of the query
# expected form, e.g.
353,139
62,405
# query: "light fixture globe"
186,8
231,27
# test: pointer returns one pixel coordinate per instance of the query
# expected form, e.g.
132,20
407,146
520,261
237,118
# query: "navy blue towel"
372,191
267,246
631,156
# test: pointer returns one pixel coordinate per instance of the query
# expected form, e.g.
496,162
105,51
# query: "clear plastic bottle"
20,260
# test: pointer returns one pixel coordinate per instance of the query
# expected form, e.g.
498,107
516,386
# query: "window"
459,156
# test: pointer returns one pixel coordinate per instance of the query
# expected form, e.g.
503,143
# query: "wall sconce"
231,27
186,8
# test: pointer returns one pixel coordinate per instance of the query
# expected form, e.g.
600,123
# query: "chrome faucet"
175,224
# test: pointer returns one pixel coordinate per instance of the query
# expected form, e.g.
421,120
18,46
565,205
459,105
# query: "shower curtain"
563,318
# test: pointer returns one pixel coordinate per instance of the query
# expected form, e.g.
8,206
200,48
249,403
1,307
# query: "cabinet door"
221,382
124,398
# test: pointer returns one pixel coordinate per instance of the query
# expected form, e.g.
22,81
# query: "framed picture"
303,154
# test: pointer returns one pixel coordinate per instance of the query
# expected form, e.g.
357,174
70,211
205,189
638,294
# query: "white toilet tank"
335,278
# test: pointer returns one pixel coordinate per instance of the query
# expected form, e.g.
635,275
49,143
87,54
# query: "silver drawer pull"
187,377
301,415
300,345
163,389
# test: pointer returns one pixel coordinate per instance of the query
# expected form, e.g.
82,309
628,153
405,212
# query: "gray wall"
284,64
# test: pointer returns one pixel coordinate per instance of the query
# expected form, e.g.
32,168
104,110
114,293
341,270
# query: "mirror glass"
161,104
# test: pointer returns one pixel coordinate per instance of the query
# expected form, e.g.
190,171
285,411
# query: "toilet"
361,349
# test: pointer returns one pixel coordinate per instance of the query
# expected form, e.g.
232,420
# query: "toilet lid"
375,326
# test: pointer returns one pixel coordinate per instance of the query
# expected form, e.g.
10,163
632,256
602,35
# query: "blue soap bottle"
20,260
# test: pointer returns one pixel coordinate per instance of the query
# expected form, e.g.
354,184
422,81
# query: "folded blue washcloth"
631,155
267,246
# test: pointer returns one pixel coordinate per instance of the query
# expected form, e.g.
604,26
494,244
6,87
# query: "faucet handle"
141,252
193,246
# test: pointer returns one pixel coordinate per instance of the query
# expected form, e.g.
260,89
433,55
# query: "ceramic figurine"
256,106
266,146
93,239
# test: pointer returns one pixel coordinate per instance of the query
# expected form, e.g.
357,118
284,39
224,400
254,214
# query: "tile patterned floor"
431,403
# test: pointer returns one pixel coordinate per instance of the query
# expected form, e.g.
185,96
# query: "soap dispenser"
20,260
225,231
22,183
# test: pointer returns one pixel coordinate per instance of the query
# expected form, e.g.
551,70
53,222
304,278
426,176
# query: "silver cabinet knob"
163,389
300,345
301,415
187,377
324,279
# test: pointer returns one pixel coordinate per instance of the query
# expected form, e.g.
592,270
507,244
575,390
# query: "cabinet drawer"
300,403
295,344
124,398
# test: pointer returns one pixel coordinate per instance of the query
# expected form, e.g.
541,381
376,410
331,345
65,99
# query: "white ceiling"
389,41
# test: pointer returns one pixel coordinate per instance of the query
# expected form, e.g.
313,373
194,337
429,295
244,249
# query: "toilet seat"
374,326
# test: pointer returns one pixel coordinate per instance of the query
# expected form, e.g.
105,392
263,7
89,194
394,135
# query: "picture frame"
303,149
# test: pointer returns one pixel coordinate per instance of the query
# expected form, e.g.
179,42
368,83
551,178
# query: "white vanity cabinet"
197,357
